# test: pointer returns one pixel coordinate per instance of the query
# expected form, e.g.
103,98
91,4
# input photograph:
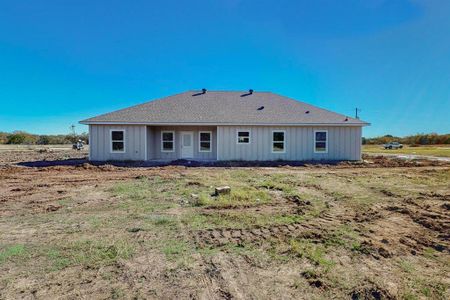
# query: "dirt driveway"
373,230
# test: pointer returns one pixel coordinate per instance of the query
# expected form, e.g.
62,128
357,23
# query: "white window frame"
326,141
111,141
173,141
249,136
284,141
200,141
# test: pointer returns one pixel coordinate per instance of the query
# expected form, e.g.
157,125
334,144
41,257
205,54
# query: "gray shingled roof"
222,107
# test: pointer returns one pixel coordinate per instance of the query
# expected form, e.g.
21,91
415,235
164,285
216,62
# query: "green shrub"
43,140
16,139
20,137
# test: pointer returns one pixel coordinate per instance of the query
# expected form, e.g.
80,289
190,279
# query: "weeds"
344,236
12,252
117,293
238,197
239,220
406,266
313,252
89,253
174,248
65,201
144,218
160,220
144,195
59,262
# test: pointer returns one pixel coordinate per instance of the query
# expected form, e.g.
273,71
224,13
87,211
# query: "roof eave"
89,122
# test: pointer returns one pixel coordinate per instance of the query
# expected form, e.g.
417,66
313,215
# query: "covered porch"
167,143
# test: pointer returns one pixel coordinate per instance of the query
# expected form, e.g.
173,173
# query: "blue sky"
63,61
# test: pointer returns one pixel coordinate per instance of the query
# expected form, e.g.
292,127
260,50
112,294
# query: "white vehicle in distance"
393,145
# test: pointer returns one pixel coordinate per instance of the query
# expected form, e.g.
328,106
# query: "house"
224,125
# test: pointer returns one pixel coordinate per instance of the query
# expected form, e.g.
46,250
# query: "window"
167,141
321,141
204,140
278,142
243,137
118,141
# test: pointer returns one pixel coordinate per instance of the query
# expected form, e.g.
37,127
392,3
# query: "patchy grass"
58,260
175,248
440,151
163,221
144,195
65,201
344,236
281,231
237,220
13,252
89,253
316,253
418,285
240,197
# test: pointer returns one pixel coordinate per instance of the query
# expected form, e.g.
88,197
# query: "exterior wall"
144,142
150,131
344,143
154,142
100,142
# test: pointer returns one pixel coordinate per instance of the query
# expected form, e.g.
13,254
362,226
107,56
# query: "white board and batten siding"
154,142
144,143
100,142
344,143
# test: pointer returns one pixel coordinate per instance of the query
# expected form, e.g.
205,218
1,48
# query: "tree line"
21,137
413,140
25,138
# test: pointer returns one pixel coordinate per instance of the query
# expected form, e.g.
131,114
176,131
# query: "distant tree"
43,140
16,138
417,139
3,137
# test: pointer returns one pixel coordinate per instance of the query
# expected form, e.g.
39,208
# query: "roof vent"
200,93
261,108
307,112
247,94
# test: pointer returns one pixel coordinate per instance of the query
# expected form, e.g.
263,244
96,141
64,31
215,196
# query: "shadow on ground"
181,162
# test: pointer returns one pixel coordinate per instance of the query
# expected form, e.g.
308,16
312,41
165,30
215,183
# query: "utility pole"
357,110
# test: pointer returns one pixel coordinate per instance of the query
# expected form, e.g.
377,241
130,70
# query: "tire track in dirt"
257,234
436,223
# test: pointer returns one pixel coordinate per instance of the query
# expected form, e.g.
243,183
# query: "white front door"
187,144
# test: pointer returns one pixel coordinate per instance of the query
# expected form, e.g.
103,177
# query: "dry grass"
436,150
325,233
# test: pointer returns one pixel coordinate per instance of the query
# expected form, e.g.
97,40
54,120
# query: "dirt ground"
378,229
